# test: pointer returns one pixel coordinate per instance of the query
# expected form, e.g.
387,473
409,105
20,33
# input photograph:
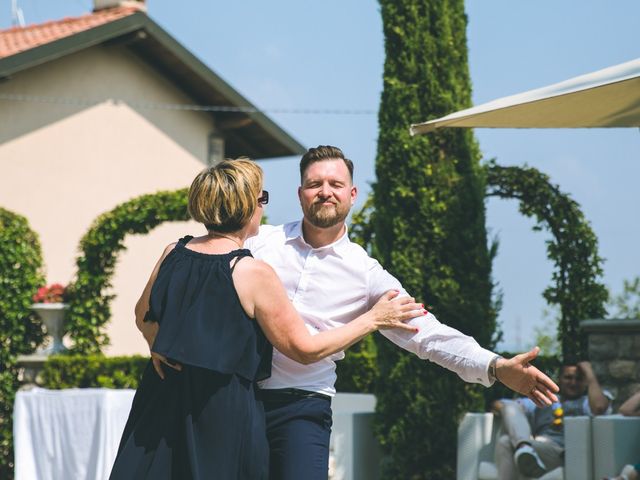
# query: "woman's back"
202,322
204,419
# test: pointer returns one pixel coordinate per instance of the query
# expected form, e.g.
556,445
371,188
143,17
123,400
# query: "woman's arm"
150,329
264,298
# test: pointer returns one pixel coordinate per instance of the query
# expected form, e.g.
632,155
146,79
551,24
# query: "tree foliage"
627,303
89,305
20,330
428,229
573,248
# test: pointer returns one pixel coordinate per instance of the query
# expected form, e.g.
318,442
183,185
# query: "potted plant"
50,307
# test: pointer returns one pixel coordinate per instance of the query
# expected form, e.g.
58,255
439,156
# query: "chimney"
104,4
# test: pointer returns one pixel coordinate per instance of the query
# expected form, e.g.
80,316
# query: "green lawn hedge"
93,371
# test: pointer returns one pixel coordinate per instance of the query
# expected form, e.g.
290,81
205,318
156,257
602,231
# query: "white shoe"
528,462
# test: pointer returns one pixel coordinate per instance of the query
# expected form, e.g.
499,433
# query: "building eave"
247,133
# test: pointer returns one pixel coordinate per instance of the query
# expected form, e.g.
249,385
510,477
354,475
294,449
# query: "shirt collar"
339,247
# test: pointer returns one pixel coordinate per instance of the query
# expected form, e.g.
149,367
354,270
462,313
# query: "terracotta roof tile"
18,39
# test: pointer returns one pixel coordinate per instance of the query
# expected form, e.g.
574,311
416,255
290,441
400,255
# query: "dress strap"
184,240
240,254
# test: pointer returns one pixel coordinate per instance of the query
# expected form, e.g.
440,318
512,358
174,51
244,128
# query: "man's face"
571,382
326,194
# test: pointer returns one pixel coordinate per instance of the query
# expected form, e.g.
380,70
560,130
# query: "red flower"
54,293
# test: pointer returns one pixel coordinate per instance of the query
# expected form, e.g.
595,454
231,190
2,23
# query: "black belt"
289,395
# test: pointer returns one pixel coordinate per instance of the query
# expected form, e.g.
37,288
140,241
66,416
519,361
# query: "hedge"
93,371
20,276
428,229
577,288
90,303
358,371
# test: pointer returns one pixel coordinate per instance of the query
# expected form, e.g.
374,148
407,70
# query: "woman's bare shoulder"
254,267
168,248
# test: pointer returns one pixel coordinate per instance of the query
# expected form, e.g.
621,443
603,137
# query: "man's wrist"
492,369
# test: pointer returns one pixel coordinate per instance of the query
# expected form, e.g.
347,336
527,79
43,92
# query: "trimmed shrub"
93,371
89,305
428,229
358,371
21,331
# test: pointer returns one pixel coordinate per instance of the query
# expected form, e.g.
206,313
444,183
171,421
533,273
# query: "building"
89,119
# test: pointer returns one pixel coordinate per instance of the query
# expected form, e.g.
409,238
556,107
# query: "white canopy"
606,98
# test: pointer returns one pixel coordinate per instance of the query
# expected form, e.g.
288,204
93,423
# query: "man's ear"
300,194
354,194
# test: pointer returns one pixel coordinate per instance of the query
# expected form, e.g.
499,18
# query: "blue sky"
330,54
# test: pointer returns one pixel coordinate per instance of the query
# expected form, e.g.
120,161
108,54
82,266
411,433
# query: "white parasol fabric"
605,98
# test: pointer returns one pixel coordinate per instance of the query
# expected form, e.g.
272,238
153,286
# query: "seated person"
630,408
534,441
629,472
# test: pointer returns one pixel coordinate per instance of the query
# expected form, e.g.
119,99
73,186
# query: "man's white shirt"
334,284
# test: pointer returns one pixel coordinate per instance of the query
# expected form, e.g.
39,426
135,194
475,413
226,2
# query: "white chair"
354,450
616,442
477,435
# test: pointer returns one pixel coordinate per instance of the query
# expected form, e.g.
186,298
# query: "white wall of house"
61,165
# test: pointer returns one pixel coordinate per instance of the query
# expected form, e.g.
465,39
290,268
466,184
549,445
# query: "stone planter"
52,316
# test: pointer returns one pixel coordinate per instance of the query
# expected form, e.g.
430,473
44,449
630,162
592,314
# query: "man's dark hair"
323,152
566,364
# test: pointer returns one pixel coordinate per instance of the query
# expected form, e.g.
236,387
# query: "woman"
211,313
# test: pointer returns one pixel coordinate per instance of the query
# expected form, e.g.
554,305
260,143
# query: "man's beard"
325,216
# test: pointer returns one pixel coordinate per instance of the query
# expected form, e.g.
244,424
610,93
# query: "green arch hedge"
575,288
573,249
89,305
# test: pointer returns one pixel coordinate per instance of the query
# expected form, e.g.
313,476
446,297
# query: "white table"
74,434
68,434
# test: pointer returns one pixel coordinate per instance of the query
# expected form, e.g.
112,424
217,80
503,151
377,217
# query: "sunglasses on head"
264,198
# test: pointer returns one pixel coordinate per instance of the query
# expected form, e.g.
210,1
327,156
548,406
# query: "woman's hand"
392,311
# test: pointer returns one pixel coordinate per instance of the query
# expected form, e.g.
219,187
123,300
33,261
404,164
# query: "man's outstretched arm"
461,354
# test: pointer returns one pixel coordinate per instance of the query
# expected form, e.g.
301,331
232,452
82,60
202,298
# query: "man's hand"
149,331
519,375
158,360
496,407
587,371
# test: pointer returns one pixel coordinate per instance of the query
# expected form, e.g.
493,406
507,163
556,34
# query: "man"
330,281
534,441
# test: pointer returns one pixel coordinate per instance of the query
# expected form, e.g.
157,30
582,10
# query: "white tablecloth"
68,434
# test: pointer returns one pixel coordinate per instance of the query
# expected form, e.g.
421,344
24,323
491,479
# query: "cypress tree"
428,230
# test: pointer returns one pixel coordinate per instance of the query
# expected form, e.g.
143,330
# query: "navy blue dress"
204,422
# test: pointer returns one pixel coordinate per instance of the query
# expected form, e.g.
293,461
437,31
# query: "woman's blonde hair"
225,196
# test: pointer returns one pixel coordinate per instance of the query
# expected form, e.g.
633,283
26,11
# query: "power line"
85,102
